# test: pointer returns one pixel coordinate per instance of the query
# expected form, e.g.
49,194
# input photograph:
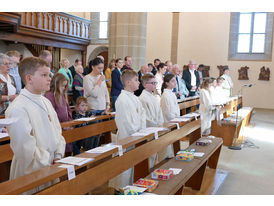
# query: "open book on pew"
147,131
75,160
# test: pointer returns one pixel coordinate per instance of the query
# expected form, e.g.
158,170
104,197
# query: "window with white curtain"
251,36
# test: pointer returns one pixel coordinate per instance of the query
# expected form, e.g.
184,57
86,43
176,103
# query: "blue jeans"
114,98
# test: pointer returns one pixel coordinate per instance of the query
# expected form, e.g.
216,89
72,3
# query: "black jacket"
187,78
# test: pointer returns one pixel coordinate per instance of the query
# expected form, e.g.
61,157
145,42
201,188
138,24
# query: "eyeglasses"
153,83
7,64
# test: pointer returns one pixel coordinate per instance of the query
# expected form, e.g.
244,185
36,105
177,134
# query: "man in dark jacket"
116,84
192,79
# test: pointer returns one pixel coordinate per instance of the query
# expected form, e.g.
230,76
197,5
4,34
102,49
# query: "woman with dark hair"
168,102
95,88
159,78
170,109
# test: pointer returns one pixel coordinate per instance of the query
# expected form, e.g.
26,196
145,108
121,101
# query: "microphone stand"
234,146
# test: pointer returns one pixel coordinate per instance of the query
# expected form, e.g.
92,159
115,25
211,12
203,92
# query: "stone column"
127,37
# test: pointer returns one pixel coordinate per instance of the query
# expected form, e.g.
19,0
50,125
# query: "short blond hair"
146,77
13,53
30,65
128,75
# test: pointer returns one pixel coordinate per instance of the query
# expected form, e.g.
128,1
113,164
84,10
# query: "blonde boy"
36,138
130,117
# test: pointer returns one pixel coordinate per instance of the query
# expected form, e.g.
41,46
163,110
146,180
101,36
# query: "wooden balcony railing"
60,23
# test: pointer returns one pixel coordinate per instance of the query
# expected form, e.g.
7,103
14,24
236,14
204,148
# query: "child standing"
130,117
169,103
36,138
206,107
170,109
154,115
58,98
81,111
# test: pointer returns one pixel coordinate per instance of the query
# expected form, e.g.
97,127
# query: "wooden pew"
102,169
104,127
189,102
227,129
192,173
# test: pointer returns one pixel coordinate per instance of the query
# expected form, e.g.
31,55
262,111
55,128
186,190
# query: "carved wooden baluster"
39,20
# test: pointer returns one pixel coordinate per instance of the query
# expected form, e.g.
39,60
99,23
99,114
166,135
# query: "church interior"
237,157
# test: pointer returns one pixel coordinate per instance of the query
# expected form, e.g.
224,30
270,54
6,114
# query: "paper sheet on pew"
192,114
102,149
85,119
3,135
7,121
75,160
181,119
148,130
198,154
176,171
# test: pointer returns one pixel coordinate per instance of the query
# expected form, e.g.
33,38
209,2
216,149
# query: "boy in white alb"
130,117
154,115
36,138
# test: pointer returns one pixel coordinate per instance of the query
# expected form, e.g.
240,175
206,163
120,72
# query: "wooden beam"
15,37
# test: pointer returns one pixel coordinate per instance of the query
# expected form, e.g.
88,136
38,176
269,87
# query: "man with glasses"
192,79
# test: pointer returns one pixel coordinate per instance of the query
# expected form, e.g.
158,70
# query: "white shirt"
130,117
169,105
154,115
227,85
159,78
11,88
34,139
205,109
193,77
98,96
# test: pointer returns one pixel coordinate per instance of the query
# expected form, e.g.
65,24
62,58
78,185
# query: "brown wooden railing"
61,23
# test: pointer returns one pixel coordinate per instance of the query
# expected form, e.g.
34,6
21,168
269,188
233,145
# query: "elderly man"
180,90
169,67
128,63
192,79
142,72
